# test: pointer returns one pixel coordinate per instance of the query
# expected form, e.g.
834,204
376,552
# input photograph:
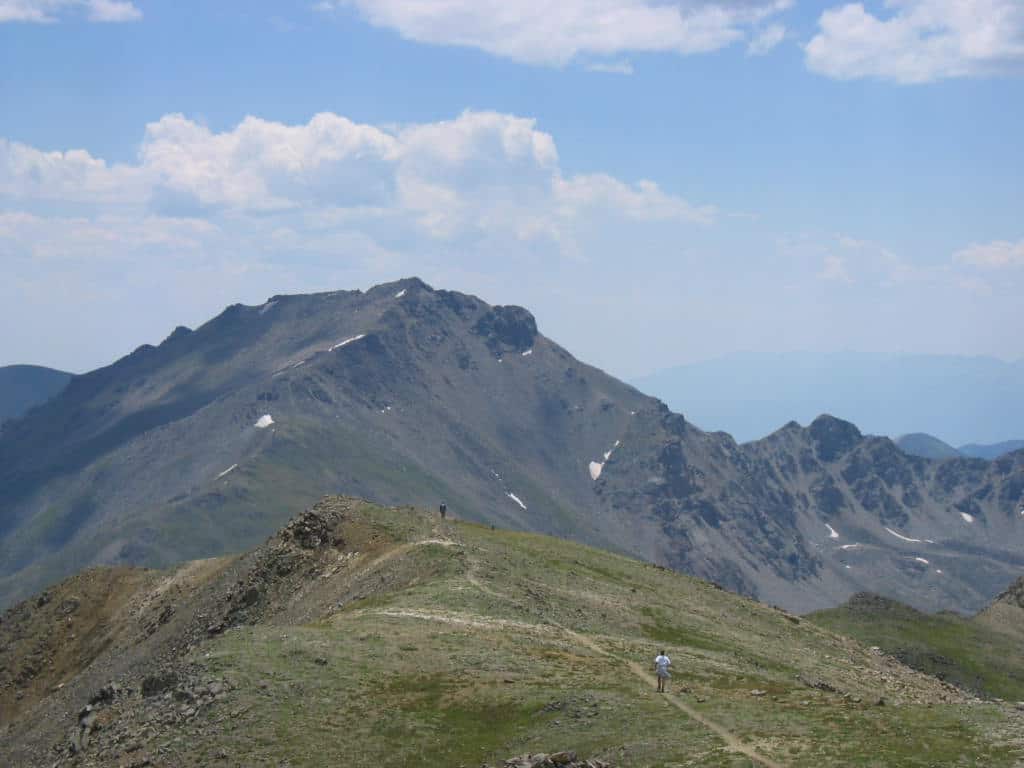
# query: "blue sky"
660,182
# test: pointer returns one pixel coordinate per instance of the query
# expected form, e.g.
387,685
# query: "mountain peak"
833,437
926,446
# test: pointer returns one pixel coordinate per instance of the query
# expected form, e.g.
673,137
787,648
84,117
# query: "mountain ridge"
406,394
364,635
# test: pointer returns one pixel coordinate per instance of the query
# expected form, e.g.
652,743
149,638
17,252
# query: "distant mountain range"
25,386
963,399
990,451
406,394
930,447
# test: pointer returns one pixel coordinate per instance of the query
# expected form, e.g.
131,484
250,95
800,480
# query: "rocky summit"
361,635
406,394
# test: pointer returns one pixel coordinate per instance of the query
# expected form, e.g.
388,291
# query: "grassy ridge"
469,651
387,638
966,652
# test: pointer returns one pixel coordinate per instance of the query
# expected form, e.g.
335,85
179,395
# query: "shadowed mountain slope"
406,394
25,386
366,636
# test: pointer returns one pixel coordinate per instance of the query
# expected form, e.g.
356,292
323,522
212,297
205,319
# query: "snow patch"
967,518
232,468
516,499
831,532
400,294
851,546
347,341
907,538
846,566
608,453
921,560
267,307
938,571
595,469
264,421
527,353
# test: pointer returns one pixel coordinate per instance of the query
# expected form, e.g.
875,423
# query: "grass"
464,654
960,650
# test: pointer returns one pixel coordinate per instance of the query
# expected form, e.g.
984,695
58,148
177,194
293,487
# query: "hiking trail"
732,741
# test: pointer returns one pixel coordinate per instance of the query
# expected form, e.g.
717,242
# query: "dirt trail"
401,549
731,740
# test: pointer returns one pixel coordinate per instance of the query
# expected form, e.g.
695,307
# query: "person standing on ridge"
444,510
661,665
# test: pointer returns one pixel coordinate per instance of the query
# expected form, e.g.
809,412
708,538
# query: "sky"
658,181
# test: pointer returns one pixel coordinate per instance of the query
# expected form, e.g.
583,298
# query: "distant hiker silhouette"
444,510
661,665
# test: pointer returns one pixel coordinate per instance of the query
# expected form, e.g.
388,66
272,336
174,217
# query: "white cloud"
766,40
113,10
542,32
995,255
71,176
919,41
47,11
482,175
643,201
834,269
611,67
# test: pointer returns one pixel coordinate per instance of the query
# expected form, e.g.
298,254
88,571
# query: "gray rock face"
404,394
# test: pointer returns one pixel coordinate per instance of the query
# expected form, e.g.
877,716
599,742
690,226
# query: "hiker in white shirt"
661,665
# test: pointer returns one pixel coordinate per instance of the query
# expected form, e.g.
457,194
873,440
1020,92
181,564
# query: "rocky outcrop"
566,759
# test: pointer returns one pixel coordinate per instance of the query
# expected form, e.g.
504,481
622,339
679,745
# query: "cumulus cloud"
482,175
541,32
47,11
834,269
113,10
995,255
766,40
918,41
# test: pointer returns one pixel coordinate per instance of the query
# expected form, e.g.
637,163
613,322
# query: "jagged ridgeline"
368,636
406,394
